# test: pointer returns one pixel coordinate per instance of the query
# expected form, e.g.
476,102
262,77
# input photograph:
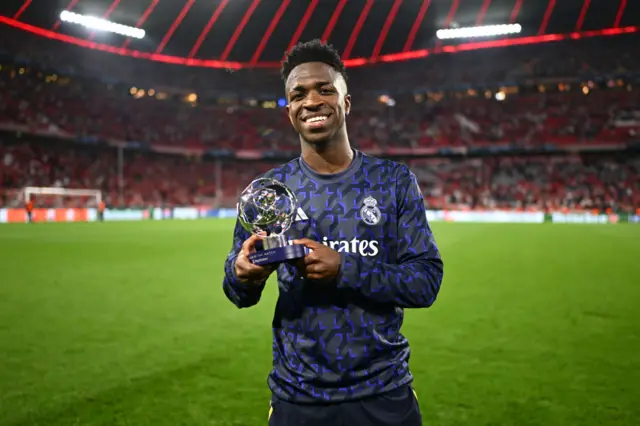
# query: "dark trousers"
395,408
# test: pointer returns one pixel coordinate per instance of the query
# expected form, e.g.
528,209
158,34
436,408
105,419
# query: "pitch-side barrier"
192,213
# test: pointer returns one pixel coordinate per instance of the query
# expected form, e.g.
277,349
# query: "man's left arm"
415,280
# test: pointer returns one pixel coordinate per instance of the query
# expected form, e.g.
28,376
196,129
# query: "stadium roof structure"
238,34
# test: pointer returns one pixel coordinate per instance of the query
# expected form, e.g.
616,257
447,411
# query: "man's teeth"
314,119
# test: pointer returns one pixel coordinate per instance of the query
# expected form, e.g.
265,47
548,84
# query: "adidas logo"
301,215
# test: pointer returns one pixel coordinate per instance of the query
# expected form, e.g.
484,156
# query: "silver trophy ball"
267,207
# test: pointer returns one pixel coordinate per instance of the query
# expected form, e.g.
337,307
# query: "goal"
93,195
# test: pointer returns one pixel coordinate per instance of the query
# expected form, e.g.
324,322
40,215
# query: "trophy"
268,207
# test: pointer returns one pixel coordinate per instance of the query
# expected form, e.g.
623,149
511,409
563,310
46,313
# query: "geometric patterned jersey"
341,342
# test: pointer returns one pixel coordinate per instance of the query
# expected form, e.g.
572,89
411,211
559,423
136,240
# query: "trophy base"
278,254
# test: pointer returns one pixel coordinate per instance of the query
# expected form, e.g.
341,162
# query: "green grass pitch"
126,324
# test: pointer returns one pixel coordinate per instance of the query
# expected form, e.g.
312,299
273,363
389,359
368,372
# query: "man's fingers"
254,269
308,243
245,264
249,246
311,258
298,263
251,272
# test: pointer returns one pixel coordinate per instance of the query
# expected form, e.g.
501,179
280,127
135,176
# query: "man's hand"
322,264
248,272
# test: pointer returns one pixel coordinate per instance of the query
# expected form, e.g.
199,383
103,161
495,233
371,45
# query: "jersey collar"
333,177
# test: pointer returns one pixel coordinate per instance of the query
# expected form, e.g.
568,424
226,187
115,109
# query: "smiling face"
317,102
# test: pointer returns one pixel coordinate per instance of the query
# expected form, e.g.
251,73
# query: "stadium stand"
81,113
92,108
579,182
576,183
569,60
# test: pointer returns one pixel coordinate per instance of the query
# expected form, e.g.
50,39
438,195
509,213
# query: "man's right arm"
242,294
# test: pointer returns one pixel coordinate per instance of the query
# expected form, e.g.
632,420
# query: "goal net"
54,197
52,204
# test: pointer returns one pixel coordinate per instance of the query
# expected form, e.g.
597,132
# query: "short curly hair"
312,51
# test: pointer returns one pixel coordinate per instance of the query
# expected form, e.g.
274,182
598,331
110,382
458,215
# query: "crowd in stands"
575,183
95,110
147,178
41,98
151,179
92,109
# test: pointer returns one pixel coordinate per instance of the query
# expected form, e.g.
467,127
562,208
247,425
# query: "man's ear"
347,104
288,108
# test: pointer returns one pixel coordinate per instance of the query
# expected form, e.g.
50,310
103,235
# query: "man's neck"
329,158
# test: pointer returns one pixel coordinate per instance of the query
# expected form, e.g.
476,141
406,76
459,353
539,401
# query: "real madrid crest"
370,213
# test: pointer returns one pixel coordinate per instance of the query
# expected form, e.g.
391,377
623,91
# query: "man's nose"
313,101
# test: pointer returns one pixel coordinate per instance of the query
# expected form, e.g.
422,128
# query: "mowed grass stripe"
126,324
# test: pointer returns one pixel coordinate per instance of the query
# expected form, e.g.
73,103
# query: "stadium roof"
241,33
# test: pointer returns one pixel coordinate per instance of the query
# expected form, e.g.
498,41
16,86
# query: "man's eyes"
326,91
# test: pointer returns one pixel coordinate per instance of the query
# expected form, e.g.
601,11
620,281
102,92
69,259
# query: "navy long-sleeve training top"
342,342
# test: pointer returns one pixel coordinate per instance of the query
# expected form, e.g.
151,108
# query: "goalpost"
65,192
54,208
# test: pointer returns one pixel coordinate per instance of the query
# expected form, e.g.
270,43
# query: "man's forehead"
311,72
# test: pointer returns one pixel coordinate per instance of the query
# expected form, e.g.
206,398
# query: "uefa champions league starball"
267,206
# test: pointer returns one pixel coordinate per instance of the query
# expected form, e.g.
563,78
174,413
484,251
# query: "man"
29,209
338,355
101,207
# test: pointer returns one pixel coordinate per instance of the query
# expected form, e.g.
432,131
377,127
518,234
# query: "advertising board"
586,218
192,213
484,216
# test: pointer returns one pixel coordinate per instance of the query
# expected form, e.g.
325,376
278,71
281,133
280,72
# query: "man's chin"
317,138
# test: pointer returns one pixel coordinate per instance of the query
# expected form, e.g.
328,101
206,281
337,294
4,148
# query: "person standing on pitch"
338,355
